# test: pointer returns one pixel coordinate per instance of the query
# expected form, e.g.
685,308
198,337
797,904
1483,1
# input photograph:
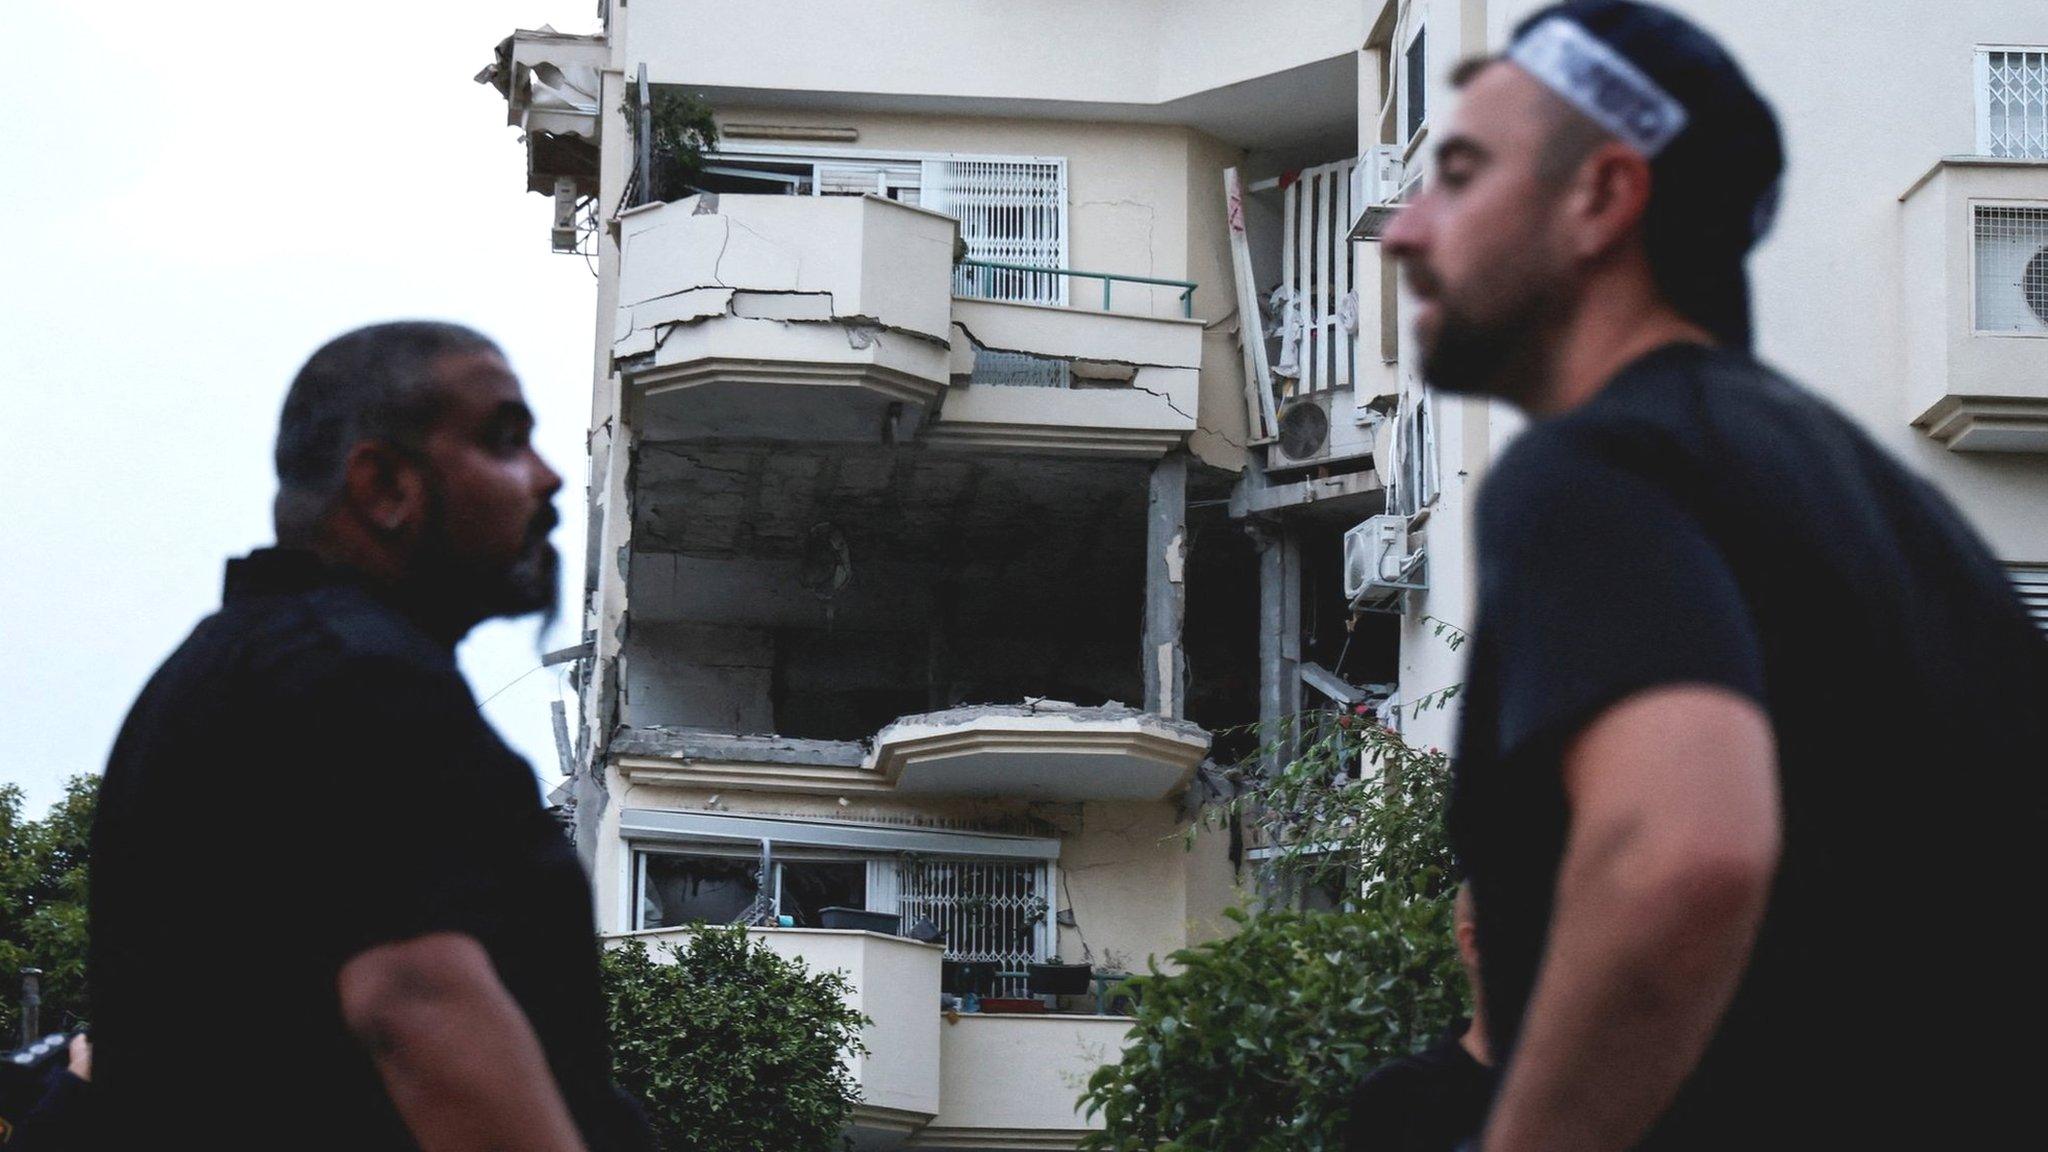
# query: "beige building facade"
1014,408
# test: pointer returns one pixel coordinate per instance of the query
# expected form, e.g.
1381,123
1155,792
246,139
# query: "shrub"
732,1048
1255,1042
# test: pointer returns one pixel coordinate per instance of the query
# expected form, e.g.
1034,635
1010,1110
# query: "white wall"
1138,52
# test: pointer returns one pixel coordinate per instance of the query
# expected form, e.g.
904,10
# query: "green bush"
43,905
730,1047
1254,1042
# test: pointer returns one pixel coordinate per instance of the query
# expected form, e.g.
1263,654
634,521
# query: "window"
678,888
2011,274
1010,212
988,909
2012,102
1413,66
687,889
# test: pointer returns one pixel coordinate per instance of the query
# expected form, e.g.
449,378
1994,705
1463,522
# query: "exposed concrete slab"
1046,750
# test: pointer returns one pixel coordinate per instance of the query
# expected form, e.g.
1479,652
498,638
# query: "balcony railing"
978,286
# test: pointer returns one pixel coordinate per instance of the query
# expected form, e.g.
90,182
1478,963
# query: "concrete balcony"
831,319
934,1081
1041,751
1016,1081
1135,381
783,317
1976,382
896,986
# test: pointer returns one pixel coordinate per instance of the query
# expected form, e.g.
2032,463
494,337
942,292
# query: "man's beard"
1504,355
471,591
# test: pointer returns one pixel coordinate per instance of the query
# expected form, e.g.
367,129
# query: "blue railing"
1187,287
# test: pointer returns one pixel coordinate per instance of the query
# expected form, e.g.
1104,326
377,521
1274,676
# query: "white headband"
1602,83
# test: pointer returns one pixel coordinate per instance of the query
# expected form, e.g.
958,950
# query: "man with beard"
1753,723
328,909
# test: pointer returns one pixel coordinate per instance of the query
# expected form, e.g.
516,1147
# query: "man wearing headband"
1753,727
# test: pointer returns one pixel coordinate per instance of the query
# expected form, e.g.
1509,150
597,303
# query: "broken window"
690,889
998,910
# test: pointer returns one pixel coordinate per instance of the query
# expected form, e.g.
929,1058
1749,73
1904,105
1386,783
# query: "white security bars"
1318,309
2011,269
988,909
2012,102
1011,212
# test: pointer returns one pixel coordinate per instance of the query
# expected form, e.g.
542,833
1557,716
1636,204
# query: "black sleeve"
1595,585
419,815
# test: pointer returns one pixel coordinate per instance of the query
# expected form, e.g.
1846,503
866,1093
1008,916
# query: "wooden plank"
1326,306
1258,383
1344,342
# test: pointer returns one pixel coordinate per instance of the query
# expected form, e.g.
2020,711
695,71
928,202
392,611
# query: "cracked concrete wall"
1137,888
860,260
700,676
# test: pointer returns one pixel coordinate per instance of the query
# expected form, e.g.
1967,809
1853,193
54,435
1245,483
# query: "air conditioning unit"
2012,269
1376,187
1379,568
1320,428
562,236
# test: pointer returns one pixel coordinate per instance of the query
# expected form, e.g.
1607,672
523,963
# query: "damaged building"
1008,413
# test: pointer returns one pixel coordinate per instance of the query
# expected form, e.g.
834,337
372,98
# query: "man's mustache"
544,523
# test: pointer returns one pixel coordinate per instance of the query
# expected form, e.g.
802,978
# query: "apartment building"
1014,408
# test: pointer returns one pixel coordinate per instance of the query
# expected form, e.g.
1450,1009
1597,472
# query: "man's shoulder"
303,644
1682,421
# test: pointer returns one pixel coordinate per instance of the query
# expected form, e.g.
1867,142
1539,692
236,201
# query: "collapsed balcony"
867,618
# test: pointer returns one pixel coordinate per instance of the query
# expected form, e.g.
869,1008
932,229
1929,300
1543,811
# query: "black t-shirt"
305,778
1702,520
1427,1102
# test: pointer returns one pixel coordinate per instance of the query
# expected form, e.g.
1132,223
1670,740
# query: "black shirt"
1427,1102
1702,520
305,778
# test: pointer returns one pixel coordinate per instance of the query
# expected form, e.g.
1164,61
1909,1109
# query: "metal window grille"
988,909
2012,103
1319,315
2011,269
1012,212
2031,582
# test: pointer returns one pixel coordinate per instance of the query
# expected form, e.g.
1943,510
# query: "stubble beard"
1504,355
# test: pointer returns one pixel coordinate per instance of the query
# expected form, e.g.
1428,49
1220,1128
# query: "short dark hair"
374,383
1573,134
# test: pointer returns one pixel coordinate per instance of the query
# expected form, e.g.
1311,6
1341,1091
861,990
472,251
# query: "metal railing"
1109,279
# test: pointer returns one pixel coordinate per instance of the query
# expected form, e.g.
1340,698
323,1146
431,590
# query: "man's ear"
1609,196
386,488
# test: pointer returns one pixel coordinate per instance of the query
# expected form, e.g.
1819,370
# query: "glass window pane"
810,886
690,889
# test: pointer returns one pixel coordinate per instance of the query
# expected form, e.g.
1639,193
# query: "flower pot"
1055,979
859,919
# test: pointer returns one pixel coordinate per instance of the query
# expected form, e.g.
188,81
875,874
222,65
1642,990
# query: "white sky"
194,196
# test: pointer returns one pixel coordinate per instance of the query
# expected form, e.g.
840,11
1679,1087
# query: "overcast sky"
193,197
